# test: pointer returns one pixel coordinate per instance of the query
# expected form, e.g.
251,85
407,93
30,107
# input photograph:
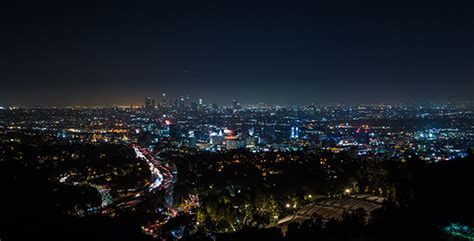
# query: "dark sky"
283,52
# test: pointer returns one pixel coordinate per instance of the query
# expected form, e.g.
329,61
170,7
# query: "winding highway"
163,177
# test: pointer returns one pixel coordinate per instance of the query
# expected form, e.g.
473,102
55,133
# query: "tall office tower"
295,132
214,106
200,105
163,100
235,105
194,106
187,102
181,103
149,103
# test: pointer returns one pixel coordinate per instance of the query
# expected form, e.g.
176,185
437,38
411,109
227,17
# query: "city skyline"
232,120
277,53
141,102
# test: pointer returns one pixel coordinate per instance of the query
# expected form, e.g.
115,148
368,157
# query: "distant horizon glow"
275,53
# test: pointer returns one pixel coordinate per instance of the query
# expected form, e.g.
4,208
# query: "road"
163,177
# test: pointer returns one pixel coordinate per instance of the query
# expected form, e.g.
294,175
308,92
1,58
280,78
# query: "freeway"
103,190
163,174
156,176
163,177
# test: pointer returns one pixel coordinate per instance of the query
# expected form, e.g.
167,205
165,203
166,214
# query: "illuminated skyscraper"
235,105
163,100
295,132
181,103
149,103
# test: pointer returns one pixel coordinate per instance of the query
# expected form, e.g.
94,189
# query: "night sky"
287,52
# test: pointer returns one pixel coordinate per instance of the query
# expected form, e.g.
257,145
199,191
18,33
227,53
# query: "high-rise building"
235,105
149,103
163,100
187,101
200,104
194,106
181,103
295,132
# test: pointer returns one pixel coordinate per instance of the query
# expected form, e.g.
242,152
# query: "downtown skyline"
237,120
59,54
